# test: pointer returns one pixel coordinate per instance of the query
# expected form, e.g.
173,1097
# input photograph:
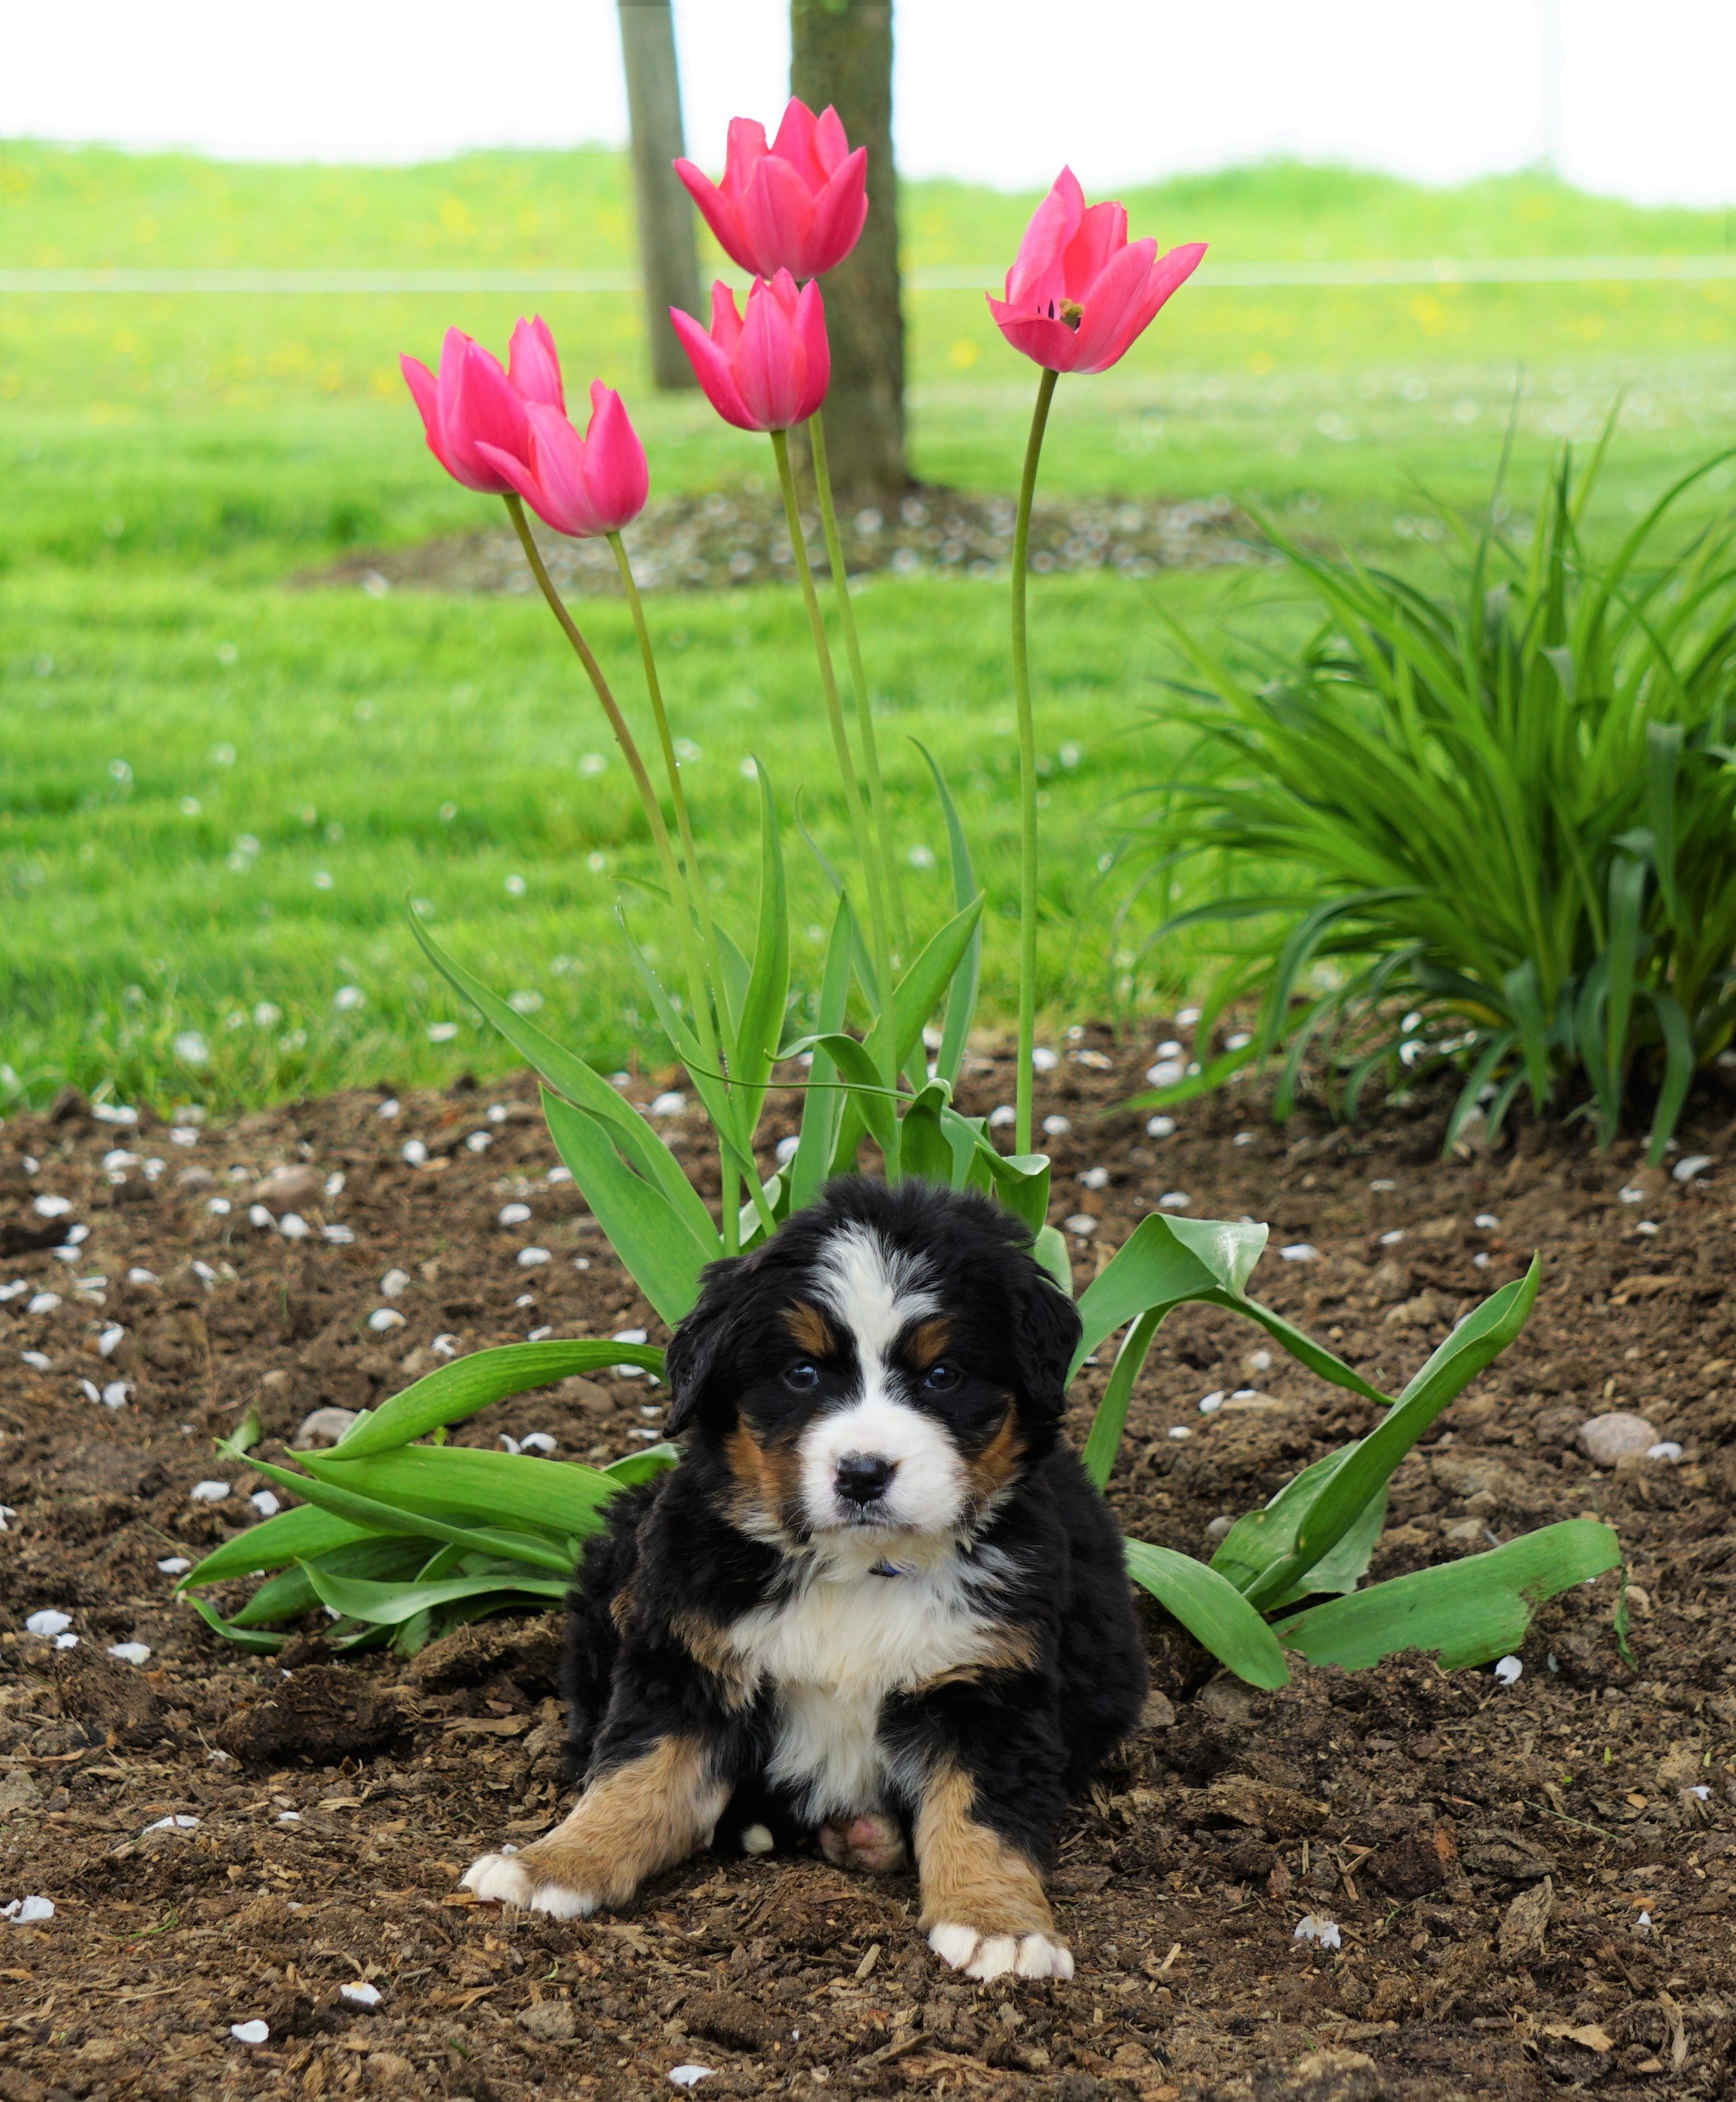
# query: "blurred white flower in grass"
591,764
525,1002
442,1032
347,999
191,1048
515,886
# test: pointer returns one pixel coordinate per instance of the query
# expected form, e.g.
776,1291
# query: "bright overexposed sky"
1631,99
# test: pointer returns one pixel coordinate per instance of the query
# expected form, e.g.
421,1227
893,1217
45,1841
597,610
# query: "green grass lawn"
217,794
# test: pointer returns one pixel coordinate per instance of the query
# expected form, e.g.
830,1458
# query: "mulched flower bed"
740,537
1533,1885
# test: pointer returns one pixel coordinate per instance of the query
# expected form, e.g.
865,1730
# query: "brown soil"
1532,1893
720,540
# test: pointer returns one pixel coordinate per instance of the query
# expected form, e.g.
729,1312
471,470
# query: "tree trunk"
841,53
668,259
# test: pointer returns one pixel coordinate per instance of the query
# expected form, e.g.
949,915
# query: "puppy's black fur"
648,1645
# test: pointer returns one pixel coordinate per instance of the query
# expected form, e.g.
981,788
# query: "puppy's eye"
940,1378
802,1377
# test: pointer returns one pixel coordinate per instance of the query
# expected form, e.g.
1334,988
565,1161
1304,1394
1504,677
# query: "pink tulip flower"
1078,295
797,204
474,403
582,486
769,370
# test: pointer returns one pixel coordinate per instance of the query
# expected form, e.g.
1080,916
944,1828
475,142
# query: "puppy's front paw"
981,1955
507,1879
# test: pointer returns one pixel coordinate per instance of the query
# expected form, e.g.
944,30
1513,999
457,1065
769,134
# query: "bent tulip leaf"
1214,1612
386,1605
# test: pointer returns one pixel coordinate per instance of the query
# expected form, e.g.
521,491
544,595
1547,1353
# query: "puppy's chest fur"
830,1655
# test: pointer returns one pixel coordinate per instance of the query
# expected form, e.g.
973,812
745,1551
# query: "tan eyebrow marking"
807,1325
929,1342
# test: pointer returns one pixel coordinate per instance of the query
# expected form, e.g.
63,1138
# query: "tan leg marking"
998,1649
631,1822
983,1906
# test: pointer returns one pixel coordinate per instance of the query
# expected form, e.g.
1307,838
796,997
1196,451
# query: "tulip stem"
858,678
653,817
886,1027
1027,772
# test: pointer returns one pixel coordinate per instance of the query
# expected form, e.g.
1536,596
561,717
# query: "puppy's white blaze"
875,1291
926,1493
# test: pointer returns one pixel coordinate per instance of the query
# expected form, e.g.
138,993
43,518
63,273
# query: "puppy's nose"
863,1477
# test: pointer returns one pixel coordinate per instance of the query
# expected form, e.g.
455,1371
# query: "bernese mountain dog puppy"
877,1605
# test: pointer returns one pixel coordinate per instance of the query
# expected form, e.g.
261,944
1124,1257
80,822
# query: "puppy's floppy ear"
1045,1332
698,1345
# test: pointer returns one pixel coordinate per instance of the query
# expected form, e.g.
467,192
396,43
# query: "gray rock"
1617,1435
17,1791
325,1426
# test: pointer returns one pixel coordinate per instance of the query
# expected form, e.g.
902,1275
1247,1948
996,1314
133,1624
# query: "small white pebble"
1667,1448
787,1148
1179,1430
581,1262
1243,1138
1043,1060
334,1183
1166,1073
7,1514
1221,1528
1643,1925
1690,1165
1300,1252
1174,1200
445,1346
115,1394
388,1108
109,1341
1647,1227
689,2076
1392,1238
1160,1127
1238,1040
16,1290
1315,1929
514,1215
253,2032
209,1492
27,1912
479,1142
496,1112
414,1152
174,1565
559,1174
180,1822
1057,1127
1701,1792
533,1258
130,1652
44,1302
1485,1222
265,1502
1383,1183
289,1817
48,1622
1508,1672
1095,1178
1170,1049
1083,1225
537,1441
38,1360
394,1282
1480,1261
628,1336
507,1443
258,1216
66,1641
1211,1403
294,1228
89,1390
383,1318
340,1236
52,1208
360,1994
668,1105
1631,1195
540,1335
1001,1115
184,1134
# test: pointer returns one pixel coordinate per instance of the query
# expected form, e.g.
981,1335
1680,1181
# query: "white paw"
994,1955
504,1879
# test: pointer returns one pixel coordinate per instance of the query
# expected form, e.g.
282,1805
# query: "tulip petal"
425,392
796,142
832,147
810,328
1047,343
533,364
775,214
1102,235
514,475
726,323
770,362
717,211
746,150
487,408
840,211
616,470
711,369
1112,310
1035,278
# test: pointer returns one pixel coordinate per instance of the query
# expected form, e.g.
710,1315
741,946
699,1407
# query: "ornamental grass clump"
1488,827
401,1535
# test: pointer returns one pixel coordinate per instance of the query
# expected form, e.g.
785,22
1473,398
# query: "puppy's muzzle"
863,1478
